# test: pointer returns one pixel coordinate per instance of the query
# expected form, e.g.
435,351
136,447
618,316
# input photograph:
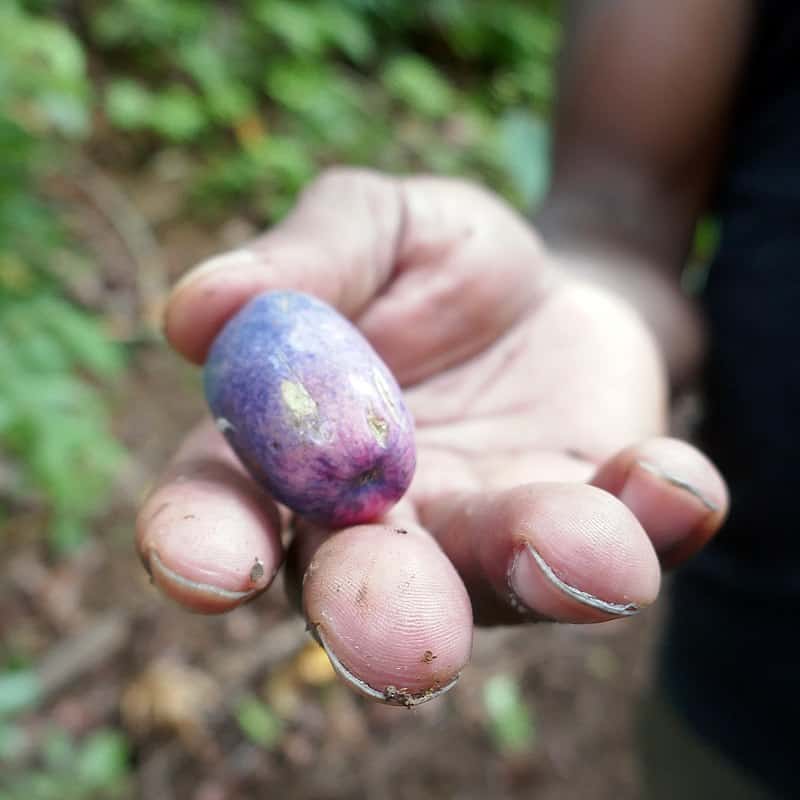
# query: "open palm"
543,488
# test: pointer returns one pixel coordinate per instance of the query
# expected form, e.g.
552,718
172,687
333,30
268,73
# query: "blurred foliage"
258,722
53,419
39,762
258,96
510,723
19,691
706,242
266,92
96,767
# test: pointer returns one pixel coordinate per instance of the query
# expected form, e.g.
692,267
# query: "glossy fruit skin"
311,410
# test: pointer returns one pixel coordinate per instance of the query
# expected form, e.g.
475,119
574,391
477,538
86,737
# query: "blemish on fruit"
379,428
223,425
386,395
297,399
368,476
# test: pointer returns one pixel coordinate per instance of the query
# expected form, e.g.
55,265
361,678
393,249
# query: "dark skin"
634,164
538,375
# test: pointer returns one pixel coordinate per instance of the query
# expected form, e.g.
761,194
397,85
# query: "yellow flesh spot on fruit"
299,402
386,395
379,428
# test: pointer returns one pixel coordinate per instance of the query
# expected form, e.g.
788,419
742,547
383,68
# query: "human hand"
544,487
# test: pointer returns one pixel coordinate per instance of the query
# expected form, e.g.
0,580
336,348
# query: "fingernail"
391,695
226,261
674,480
529,591
198,595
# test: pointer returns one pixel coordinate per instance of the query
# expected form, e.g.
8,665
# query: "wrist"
672,318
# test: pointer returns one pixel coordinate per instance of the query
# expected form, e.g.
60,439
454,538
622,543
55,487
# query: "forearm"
644,95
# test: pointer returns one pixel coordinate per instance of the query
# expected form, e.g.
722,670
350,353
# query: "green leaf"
52,420
67,534
62,51
258,722
177,114
58,752
19,691
227,98
128,104
13,742
416,82
42,74
525,154
66,113
346,31
285,158
298,85
103,759
325,100
81,337
42,353
229,102
150,23
706,241
295,23
707,238
509,720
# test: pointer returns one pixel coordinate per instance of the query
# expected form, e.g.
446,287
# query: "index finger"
209,536
432,269
337,244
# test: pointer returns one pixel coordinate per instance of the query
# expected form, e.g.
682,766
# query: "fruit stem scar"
369,475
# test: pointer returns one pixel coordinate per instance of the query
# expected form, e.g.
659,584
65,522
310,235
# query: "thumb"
338,244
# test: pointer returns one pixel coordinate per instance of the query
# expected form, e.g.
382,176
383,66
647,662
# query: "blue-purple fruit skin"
311,410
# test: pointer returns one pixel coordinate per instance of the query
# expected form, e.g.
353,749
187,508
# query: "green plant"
95,767
509,721
54,433
268,93
258,722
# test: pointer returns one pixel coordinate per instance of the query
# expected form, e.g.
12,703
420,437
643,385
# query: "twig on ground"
134,232
82,652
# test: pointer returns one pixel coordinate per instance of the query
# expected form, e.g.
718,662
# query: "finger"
338,244
559,551
467,268
452,290
209,537
388,607
675,492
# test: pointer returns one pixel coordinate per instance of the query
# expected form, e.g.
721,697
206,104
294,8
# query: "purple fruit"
310,409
